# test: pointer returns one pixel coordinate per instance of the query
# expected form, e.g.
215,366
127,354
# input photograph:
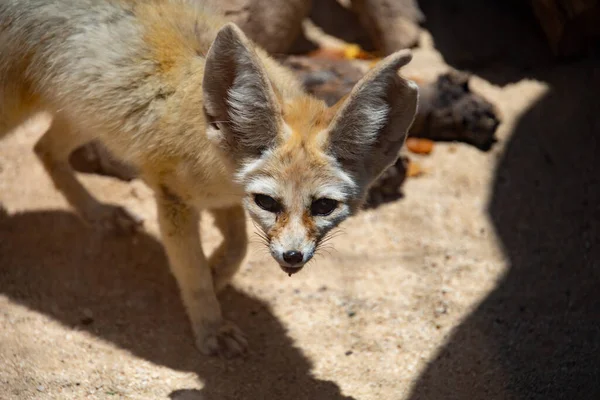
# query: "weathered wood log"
276,24
392,24
388,187
273,24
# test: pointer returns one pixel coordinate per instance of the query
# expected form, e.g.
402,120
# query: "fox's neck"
178,44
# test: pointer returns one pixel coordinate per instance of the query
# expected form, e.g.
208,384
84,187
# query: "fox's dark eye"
323,206
267,203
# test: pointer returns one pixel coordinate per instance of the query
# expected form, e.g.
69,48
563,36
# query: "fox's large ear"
239,101
371,124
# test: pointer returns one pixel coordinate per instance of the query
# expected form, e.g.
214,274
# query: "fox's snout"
291,244
295,261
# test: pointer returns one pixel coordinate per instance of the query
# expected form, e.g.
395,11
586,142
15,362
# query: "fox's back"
105,31
47,35
107,58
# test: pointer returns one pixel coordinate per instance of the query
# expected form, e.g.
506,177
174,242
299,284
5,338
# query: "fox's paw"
227,340
114,219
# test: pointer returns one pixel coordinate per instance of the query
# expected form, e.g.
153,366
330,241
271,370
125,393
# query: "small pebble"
351,314
441,309
349,352
41,388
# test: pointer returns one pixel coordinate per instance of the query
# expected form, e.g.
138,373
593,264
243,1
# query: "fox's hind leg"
229,256
53,149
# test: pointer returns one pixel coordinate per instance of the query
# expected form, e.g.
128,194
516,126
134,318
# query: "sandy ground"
482,283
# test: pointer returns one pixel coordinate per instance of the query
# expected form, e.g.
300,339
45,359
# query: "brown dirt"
481,283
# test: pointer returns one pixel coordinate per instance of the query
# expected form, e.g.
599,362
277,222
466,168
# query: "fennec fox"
211,123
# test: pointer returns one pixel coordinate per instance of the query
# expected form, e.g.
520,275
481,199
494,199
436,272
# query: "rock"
450,111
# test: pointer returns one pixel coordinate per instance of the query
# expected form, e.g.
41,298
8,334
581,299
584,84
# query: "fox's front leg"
180,234
229,256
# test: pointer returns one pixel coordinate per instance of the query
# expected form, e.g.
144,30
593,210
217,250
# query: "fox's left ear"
371,124
240,103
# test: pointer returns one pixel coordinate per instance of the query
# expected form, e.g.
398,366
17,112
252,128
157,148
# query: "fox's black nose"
293,257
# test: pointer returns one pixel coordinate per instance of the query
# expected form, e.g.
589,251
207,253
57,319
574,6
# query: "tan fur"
207,118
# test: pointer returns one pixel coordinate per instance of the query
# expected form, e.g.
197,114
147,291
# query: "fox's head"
305,167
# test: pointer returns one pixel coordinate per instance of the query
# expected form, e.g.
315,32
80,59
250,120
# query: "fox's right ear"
239,101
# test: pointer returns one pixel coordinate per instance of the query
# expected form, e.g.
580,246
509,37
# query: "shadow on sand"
537,335
51,263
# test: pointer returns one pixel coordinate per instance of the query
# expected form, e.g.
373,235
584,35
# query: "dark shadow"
537,335
500,40
301,45
120,290
335,20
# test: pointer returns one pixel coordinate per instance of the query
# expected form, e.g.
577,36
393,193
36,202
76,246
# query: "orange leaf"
355,52
345,52
419,146
414,170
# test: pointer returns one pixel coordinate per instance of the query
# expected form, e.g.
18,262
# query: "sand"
481,283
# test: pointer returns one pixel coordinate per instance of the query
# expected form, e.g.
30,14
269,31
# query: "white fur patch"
251,166
332,192
263,185
372,112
